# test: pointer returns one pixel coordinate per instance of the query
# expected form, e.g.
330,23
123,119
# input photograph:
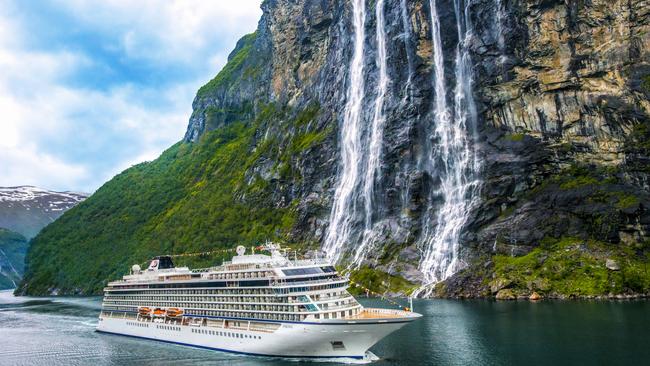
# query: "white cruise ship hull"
291,340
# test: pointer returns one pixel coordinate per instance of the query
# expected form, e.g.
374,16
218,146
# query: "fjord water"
51,331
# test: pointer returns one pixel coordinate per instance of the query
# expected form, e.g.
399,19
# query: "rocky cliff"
474,147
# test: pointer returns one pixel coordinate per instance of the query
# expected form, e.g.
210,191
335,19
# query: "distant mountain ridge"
27,209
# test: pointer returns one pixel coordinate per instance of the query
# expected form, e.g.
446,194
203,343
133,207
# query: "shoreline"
569,298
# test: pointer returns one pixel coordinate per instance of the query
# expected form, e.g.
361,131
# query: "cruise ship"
256,304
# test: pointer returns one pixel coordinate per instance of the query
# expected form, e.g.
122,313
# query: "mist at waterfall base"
61,331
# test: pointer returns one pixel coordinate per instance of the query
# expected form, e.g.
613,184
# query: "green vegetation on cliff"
572,267
13,247
193,198
228,75
379,282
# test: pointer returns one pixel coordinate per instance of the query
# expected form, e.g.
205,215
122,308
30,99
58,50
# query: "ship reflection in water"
51,331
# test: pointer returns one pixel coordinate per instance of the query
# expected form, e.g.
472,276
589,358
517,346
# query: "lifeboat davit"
174,312
144,311
158,312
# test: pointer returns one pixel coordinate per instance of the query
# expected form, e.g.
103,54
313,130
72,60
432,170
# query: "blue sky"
89,88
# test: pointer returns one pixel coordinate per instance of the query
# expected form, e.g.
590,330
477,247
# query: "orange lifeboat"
158,312
174,312
144,311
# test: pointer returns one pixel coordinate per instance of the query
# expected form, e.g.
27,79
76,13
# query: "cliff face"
463,144
561,94
570,90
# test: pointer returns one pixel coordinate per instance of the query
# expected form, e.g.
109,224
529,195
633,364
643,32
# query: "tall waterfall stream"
448,154
373,165
452,156
343,208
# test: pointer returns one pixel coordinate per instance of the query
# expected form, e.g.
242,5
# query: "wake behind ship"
256,304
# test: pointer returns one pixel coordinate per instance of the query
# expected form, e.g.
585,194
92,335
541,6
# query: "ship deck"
385,314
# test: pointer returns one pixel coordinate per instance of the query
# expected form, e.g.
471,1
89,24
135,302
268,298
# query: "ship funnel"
161,262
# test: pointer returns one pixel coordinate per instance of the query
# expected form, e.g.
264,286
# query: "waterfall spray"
407,34
500,18
343,207
452,157
407,44
373,166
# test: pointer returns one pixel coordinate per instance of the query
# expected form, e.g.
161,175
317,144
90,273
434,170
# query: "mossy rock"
506,294
499,284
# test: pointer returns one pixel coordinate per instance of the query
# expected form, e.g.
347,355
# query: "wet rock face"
558,85
564,73
560,91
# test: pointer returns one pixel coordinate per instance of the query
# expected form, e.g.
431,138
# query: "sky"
90,88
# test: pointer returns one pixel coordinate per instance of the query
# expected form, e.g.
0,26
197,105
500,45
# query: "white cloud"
112,122
69,136
26,165
171,29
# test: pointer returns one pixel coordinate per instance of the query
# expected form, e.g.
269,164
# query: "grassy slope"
575,268
194,197
190,199
14,247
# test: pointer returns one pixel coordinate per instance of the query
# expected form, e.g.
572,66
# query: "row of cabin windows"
219,291
336,304
188,305
225,334
230,298
135,324
265,316
287,290
233,298
168,327
330,295
225,292
188,287
207,298
244,303
240,275
337,314
228,314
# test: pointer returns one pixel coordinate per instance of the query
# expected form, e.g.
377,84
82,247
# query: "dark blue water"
60,331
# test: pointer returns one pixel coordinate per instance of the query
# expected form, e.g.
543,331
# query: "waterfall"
343,207
451,156
500,18
373,164
449,153
406,100
407,43
10,267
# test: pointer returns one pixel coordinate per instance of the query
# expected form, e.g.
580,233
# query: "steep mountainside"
478,148
13,248
28,209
